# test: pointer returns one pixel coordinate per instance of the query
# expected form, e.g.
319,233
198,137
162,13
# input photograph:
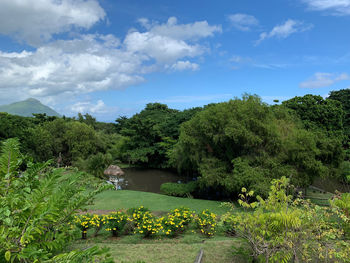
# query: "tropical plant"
280,229
36,208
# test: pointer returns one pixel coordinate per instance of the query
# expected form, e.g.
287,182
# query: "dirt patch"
104,212
98,212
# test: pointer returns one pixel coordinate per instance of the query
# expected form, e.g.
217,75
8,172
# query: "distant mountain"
27,107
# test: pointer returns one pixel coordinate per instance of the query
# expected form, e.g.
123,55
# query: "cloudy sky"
111,57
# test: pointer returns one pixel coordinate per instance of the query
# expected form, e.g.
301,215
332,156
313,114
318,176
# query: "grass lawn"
111,200
134,249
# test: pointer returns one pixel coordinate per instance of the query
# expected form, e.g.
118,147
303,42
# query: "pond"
146,180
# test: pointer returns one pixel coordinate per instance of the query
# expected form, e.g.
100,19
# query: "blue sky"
111,57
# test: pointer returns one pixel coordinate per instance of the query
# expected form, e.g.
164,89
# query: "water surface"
146,180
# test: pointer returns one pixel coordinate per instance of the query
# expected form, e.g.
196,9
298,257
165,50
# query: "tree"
151,134
244,142
316,112
343,96
13,126
70,139
37,208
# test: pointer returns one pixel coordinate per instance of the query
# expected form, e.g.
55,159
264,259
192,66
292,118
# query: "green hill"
27,107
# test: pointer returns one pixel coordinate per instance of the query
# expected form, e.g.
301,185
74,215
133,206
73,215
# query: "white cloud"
243,22
37,20
184,65
161,48
173,30
69,67
320,80
168,42
88,63
335,7
285,30
87,106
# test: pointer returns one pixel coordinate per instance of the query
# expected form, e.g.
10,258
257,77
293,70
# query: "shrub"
82,222
137,214
341,203
206,222
149,225
280,229
116,222
179,190
184,213
97,222
173,225
177,220
228,224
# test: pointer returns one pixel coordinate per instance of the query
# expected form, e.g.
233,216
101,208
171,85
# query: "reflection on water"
146,180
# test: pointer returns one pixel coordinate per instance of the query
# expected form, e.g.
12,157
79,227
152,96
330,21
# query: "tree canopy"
151,133
316,112
244,142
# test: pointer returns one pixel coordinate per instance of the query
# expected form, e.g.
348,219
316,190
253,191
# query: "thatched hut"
114,172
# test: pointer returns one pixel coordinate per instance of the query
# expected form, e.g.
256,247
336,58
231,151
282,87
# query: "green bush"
206,222
137,213
116,222
228,224
179,190
149,225
341,203
177,221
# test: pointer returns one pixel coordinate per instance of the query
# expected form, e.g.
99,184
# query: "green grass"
214,251
184,249
111,200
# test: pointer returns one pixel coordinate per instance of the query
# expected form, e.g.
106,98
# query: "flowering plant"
149,225
206,222
116,222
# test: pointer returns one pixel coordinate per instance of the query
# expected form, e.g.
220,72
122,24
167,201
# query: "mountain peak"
27,107
32,100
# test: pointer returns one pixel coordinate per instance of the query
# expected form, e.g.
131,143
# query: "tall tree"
151,134
316,112
343,96
245,142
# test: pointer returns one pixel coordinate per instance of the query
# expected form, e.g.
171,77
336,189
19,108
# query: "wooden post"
199,256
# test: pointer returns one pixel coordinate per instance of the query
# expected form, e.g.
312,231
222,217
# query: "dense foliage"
316,112
343,96
179,190
36,208
151,133
244,142
282,229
